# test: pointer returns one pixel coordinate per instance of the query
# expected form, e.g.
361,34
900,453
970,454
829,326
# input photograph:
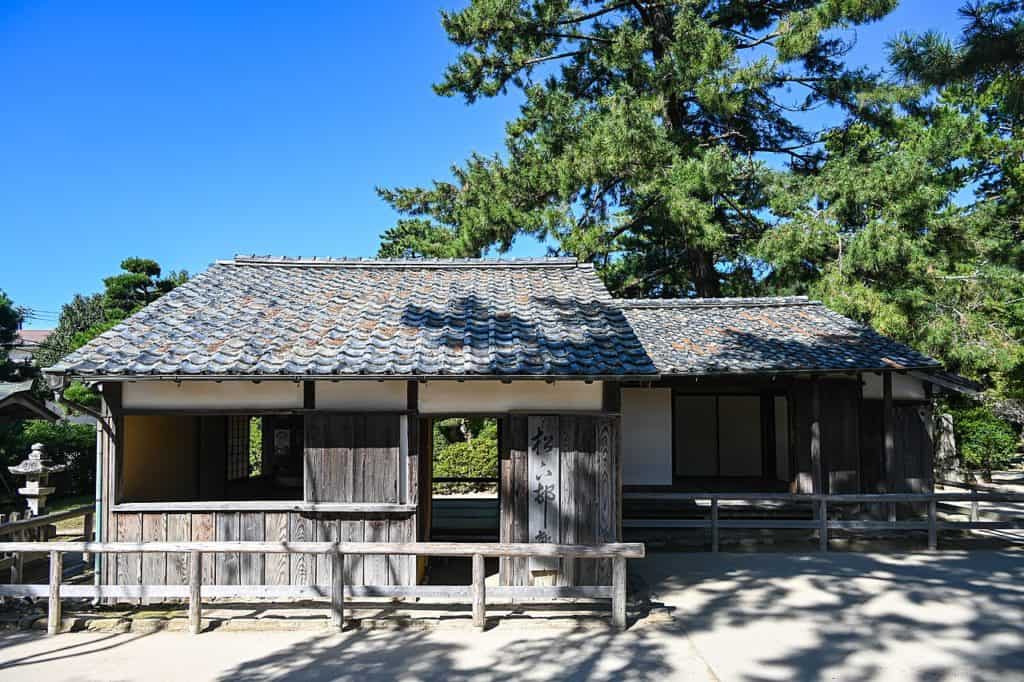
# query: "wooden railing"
32,528
819,510
337,590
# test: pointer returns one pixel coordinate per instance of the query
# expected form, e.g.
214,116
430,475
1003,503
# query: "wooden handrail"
46,519
626,550
837,498
618,552
819,503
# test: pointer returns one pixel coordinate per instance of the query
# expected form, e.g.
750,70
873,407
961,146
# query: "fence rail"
820,504
337,591
33,528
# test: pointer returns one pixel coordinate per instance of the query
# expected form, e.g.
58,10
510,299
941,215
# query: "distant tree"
86,317
138,285
78,316
10,322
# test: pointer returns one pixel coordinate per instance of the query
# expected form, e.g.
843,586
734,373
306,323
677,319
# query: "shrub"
475,457
985,441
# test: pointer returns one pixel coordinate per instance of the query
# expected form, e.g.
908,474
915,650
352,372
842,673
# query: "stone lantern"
36,470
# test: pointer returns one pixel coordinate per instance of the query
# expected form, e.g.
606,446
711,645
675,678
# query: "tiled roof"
746,335
340,317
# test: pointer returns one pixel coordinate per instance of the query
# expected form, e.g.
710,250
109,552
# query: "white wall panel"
266,395
647,436
453,397
361,395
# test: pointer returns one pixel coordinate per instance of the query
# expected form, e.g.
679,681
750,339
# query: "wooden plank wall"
840,431
352,458
588,492
915,447
260,569
852,443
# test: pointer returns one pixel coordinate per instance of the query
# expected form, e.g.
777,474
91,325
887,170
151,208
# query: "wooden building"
292,399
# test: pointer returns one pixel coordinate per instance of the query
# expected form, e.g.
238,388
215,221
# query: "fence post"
714,524
933,539
823,523
974,510
18,567
337,589
87,535
195,588
619,592
479,592
56,573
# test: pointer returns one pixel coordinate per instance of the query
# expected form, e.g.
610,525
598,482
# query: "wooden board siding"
352,458
914,446
839,435
588,492
260,569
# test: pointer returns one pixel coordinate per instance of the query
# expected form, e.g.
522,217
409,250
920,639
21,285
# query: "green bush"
475,457
986,442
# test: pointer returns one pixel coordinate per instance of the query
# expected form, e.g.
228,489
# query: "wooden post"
823,527
479,594
974,511
933,539
714,524
619,592
87,535
888,433
817,470
338,589
195,588
56,573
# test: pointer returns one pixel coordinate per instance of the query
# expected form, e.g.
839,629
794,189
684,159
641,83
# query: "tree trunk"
703,273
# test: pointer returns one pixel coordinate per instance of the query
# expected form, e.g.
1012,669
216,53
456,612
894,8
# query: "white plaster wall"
453,397
904,387
361,395
265,395
647,436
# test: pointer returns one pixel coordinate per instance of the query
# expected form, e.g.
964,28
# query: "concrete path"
950,615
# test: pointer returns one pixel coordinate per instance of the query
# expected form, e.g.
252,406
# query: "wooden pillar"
195,582
479,592
817,482
888,435
619,592
56,574
714,524
337,589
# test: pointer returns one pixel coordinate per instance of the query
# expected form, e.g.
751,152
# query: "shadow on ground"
858,616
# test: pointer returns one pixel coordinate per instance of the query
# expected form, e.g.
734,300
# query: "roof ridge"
253,259
737,301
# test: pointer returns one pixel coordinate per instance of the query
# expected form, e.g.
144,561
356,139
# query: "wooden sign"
544,488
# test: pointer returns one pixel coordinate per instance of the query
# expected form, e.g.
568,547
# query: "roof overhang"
57,380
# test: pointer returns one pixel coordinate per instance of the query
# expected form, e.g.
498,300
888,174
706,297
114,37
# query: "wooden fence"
337,590
25,528
820,506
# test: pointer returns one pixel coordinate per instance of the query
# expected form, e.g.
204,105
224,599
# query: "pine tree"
643,139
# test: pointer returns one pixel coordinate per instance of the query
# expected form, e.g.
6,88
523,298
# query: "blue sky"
191,131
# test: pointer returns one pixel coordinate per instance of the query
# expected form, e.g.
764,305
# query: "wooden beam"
308,395
611,397
412,396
